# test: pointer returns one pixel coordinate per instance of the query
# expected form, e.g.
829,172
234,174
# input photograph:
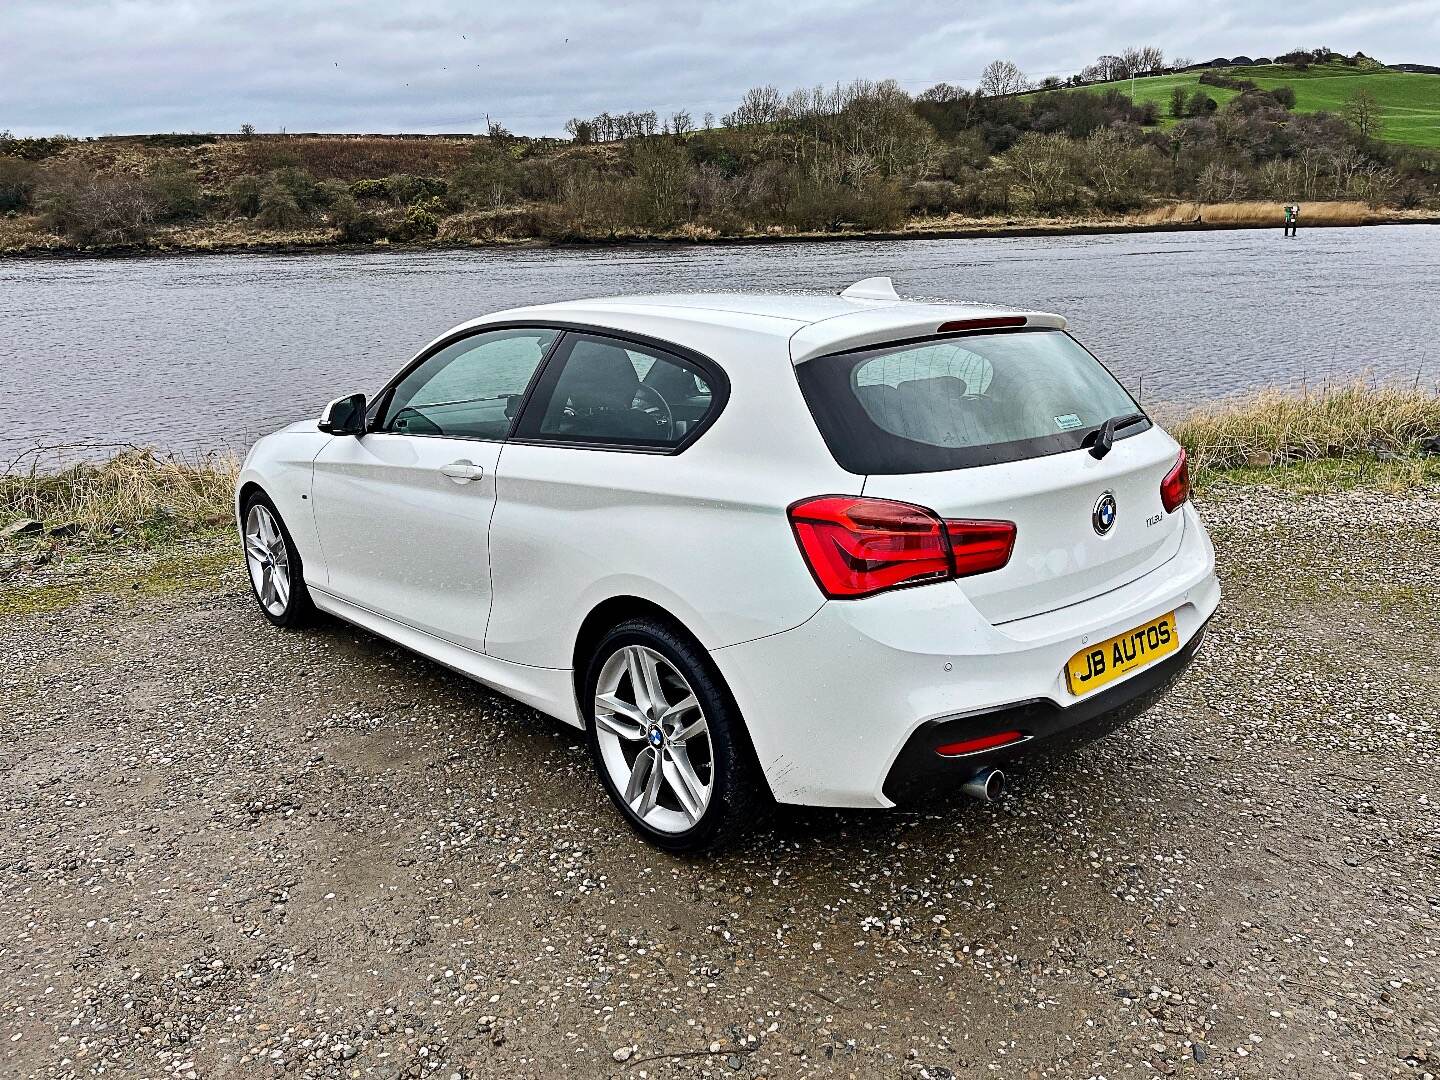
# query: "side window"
604,391
471,388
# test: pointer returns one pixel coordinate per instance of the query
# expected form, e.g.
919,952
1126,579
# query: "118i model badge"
1103,516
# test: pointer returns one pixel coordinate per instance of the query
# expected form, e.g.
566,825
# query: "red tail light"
980,546
1175,488
857,547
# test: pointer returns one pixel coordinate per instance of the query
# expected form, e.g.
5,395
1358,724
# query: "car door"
403,511
591,493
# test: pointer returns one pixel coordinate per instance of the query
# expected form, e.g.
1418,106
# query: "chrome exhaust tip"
987,785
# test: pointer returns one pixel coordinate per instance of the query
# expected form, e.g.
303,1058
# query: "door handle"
462,471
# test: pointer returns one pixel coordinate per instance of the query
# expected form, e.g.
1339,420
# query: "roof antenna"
872,288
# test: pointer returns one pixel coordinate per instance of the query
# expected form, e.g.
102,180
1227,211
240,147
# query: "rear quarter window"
959,402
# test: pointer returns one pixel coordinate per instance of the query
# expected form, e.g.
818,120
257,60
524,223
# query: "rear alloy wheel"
665,738
274,565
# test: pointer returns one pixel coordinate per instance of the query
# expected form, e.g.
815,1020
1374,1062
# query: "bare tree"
761,105
1001,78
1106,69
1142,61
1362,112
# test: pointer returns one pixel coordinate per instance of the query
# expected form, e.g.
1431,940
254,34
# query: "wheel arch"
243,495
609,613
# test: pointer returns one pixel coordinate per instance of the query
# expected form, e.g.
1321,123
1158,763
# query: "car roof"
814,324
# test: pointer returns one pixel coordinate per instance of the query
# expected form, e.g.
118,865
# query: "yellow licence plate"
1096,665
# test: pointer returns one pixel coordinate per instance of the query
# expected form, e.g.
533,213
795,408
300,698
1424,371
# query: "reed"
1275,427
1259,213
136,491
1337,433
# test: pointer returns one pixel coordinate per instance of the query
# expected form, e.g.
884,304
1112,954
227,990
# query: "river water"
204,352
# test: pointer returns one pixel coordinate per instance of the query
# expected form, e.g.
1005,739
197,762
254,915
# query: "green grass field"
1409,102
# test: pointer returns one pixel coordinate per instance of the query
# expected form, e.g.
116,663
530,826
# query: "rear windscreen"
957,402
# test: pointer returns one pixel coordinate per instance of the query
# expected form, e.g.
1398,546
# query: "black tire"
299,610
739,795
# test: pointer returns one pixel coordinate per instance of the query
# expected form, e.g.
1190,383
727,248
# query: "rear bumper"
919,770
833,705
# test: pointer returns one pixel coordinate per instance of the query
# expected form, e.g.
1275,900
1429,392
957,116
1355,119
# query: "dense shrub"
17,184
405,189
1226,82
34,149
278,209
417,223
486,183
95,207
1200,104
175,190
352,224
369,189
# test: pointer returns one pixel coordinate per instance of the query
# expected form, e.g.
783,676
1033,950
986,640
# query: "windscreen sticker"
1068,422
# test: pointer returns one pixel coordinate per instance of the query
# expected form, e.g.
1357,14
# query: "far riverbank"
24,238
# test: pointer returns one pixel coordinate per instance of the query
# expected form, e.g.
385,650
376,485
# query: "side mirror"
344,416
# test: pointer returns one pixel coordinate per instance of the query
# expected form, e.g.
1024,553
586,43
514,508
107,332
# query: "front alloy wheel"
274,565
267,560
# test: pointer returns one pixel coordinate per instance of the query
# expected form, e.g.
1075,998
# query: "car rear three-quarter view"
835,551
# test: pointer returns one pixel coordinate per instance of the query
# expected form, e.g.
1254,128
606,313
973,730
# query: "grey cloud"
88,67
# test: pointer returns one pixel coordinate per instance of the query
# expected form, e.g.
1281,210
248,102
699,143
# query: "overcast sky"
90,67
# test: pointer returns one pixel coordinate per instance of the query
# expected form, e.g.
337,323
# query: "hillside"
1409,101
864,158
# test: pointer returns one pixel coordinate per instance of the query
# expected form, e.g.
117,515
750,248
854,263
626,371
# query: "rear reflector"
992,323
1175,488
858,547
975,746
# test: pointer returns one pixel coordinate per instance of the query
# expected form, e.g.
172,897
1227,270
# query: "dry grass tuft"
1343,436
137,491
1259,213
1275,427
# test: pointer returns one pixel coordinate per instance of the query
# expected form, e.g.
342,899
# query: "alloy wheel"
267,559
654,739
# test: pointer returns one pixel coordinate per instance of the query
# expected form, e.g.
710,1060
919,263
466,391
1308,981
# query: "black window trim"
718,379
1001,453
714,375
381,404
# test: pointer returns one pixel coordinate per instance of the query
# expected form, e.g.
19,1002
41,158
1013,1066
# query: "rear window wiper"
1103,438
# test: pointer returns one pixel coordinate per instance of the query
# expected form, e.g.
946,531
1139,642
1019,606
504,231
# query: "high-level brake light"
994,322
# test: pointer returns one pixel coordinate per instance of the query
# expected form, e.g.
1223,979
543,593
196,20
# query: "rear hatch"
1001,426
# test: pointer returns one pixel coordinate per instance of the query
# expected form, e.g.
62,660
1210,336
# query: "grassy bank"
21,238
142,522
1407,103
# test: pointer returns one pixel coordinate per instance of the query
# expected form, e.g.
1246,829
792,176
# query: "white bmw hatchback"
836,551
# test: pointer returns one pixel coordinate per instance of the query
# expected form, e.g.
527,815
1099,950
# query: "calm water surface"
207,351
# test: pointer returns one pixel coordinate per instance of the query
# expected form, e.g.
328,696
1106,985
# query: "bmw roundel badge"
1103,516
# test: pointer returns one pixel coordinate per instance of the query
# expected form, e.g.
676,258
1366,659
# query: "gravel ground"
231,851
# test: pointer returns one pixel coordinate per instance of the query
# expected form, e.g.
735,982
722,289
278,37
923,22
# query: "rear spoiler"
903,321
